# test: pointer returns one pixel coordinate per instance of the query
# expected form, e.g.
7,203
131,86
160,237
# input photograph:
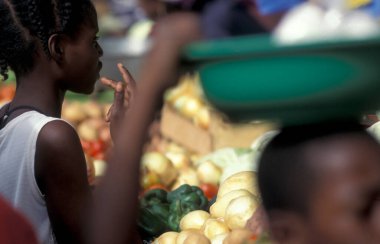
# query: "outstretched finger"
109,82
127,77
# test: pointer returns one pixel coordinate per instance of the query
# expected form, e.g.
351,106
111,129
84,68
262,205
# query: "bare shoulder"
59,154
58,143
60,171
55,133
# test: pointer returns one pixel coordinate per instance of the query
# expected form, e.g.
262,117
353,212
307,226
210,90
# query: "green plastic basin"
251,78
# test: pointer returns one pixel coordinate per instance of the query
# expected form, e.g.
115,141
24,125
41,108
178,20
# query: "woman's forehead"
92,19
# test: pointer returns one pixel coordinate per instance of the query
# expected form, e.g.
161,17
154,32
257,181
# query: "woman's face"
82,58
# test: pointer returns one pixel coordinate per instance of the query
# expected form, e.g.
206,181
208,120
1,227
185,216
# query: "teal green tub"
251,78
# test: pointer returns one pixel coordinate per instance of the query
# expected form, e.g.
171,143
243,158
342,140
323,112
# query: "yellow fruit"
73,112
239,211
92,109
159,164
194,220
179,160
167,238
87,131
202,118
191,237
218,209
243,180
100,167
186,176
209,173
214,227
218,239
238,236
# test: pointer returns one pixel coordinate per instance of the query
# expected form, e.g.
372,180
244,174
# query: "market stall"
193,167
198,170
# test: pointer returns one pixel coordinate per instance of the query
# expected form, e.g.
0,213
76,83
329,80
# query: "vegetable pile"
162,211
186,216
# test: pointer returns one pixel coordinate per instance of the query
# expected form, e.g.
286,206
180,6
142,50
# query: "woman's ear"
288,227
56,47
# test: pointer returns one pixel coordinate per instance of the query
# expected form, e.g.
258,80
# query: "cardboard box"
219,135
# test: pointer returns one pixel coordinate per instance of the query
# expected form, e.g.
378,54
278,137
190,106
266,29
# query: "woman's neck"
41,92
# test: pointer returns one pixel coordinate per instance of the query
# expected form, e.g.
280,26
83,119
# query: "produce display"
226,176
7,91
187,99
88,117
186,196
162,211
224,221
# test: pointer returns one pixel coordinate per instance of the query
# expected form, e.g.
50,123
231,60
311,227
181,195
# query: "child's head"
31,29
321,184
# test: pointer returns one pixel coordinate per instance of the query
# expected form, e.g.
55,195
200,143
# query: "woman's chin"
89,91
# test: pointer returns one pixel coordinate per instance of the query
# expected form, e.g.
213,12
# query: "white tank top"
17,179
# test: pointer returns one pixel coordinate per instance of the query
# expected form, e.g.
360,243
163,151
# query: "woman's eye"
95,41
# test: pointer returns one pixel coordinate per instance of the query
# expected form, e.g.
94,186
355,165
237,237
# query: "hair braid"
57,19
13,43
31,15
27,24
64,13
4,69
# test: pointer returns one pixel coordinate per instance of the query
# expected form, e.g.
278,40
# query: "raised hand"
124,93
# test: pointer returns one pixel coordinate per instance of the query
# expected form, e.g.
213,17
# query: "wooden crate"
219,135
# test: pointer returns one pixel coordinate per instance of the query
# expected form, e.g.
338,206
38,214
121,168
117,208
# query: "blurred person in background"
14,228
126,10
337,205
115,210
320,183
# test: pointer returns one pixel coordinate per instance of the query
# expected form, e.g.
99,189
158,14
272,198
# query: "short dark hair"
285,177
25,24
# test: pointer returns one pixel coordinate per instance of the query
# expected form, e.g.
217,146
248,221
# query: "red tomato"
253,237
152,187
97,147
101,156
209,190
86,145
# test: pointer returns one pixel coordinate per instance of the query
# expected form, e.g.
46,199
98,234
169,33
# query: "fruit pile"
188,100
180,215
192,198
89,120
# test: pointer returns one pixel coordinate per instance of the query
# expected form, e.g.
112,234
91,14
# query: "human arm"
60,170
114,216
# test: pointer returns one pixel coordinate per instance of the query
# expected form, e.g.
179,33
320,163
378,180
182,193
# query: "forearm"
117,196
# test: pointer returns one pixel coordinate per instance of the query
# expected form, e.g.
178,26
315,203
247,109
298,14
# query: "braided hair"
26,25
